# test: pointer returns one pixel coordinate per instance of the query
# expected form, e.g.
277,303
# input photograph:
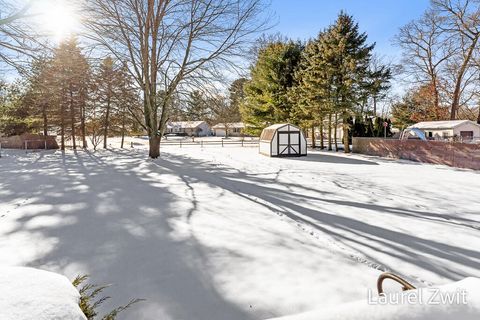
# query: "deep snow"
31,294
458,300
225,233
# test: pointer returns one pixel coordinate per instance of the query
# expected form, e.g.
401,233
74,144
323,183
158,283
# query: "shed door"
288,143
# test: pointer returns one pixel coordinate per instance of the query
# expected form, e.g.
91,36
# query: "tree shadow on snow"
326,158
104,219
109,220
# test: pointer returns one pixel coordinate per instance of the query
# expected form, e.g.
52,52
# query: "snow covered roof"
185,124
239,125
269,132
277,126
450,124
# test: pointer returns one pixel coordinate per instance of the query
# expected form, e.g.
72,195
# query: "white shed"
283,140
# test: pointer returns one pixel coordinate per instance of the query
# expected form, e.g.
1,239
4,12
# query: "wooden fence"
205,143
455,154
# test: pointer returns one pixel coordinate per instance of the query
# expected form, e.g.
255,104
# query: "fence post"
0,149
242,142
26,145
201,144
45,144
222,143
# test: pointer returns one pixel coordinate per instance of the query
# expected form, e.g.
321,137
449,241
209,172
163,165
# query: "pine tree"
197,108
70,80
266,93
346,54
312,88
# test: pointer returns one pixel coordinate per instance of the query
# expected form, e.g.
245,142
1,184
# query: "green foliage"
266,93
336,76
197,107
237,93
16,116
90,300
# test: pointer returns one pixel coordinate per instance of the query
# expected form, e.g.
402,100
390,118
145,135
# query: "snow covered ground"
225,233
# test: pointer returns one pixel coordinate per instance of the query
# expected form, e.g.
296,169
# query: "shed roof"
281,125
269,132
450,124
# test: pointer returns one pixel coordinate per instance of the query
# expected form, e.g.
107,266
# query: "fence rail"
203,143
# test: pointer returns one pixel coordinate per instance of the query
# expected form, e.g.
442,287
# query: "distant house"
228,129
189,128
438,130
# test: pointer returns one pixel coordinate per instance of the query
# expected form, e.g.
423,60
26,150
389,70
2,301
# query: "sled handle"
388,275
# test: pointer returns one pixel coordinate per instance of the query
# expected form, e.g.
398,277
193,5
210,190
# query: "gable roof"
239,125
450,124
185,124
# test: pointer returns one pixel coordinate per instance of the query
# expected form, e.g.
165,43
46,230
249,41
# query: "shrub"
90,299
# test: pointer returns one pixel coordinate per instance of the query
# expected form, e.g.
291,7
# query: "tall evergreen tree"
312,90
70,78
347,55
266,99
197,107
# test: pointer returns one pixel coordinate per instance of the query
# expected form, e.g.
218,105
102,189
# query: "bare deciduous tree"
462,22
426,48
17,39
168,44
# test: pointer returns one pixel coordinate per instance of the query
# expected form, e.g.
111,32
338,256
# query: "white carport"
283,140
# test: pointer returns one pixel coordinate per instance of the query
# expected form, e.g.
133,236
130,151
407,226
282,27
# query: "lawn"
224,233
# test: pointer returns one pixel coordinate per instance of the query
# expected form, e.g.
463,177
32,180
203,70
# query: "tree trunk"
82,127
330,132
62,126
436,100
105,125
72,119
346,142
321,134
458,85
335,132
154,147
375,106
123,130
313,137
45,123
478,118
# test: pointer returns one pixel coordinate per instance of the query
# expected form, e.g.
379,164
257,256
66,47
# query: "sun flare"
59,19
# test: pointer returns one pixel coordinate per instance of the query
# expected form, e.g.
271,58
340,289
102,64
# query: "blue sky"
303,19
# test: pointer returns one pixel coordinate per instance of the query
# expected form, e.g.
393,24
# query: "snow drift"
32,294
444,303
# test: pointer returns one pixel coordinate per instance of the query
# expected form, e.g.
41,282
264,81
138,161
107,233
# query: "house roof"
239,125
185,124
450,124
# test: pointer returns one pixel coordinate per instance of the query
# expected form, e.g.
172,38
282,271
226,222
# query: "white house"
189,128
233,129
439,130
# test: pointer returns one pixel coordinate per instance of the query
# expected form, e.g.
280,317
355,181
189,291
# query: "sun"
58,18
